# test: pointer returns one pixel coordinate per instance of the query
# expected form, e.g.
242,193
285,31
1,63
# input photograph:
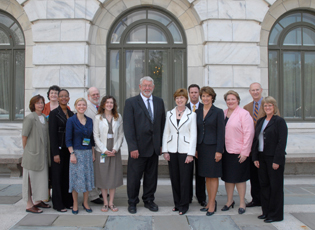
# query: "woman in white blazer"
179,148
108,136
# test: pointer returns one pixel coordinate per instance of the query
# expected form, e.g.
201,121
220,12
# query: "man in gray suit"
93,103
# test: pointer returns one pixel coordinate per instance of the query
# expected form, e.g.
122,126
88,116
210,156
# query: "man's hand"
256,163
57,159
134,154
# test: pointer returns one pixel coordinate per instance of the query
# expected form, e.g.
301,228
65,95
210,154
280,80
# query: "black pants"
61,198
271,183
181,177
146,167
200,186
254,182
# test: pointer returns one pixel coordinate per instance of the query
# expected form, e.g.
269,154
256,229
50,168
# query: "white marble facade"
226,47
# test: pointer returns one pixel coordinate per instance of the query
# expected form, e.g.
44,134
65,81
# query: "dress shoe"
226,208
270,220
215,209
151,206
89,210
241,210
203,203
97,201
132,209
262,217
204,209
75,212
252,204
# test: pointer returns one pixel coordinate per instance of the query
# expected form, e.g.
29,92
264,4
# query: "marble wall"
226,46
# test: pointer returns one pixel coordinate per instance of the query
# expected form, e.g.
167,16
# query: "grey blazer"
90,110
34,152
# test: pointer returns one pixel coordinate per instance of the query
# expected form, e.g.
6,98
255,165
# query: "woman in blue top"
80,142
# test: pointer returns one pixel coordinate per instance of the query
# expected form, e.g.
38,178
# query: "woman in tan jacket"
108,136
35,157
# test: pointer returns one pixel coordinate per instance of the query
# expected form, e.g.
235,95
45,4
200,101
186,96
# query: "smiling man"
256,111
144,119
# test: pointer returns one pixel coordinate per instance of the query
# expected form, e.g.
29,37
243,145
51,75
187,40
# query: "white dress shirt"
192,106
145,100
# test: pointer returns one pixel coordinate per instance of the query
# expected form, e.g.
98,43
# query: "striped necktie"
256,111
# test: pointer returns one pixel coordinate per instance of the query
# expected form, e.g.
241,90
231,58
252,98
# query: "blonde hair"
181,92
232,92
270,100
79,99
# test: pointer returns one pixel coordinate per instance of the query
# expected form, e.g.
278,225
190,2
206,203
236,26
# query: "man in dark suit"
256,111
144,119
194,105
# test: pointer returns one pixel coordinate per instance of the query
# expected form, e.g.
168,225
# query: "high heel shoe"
215,209
86,209
226,208
241,210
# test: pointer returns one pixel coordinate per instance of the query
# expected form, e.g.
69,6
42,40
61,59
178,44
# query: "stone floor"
299,211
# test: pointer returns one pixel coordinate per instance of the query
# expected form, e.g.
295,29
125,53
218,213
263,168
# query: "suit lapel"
173,118
61,115
184,118
271,122
144,108
251,108
261,112
209,113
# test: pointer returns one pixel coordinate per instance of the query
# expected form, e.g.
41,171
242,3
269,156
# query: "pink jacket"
239,132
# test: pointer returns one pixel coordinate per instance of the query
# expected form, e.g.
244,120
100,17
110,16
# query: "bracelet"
72,153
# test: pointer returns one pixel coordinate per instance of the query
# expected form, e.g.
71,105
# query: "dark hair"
64,90
53,87
34,100
208,90
193,86
181,92
101,109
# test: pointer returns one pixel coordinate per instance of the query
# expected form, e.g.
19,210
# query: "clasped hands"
110,153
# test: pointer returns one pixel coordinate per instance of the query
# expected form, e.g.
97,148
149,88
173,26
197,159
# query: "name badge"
102,158
86,141
110,136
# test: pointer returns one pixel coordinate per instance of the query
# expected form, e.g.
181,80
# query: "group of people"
236,144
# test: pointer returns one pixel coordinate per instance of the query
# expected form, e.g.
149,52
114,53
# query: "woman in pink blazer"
239,134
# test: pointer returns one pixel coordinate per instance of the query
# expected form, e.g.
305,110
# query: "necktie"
194,108
97,107
256,111
149,110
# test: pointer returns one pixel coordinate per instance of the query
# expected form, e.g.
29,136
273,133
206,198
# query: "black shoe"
270,220
203,203
215,209
226,208
252,204
151,206
204,210
262,217
132,209
241,210
97,201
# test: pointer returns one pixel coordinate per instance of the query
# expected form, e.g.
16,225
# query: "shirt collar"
145,99
192,105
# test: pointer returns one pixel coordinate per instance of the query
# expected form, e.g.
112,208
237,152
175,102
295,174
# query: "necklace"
180,112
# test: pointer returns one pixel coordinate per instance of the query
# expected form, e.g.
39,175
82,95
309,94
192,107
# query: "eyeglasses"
268,106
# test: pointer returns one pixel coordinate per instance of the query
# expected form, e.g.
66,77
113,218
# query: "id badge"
86,141
102,158
109,136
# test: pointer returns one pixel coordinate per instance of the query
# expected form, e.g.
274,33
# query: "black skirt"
207,167
232,170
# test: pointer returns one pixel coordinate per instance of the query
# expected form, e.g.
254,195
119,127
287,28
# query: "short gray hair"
255,83
146,78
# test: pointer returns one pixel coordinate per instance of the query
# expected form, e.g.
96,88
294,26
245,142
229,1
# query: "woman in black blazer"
268,153
210,144
60,156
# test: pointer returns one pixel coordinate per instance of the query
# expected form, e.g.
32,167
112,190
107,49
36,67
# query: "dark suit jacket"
211,130
200,106
57,128
275,139
141,134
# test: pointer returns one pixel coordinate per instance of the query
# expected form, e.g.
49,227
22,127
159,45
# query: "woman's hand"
73,159
93,155
218,156
256,163
166,156
242,158
196,154
275,166
189,159
57,159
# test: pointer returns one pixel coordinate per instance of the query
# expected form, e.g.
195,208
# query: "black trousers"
61,198
254,182
271,183
200,184
146,167
181,177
